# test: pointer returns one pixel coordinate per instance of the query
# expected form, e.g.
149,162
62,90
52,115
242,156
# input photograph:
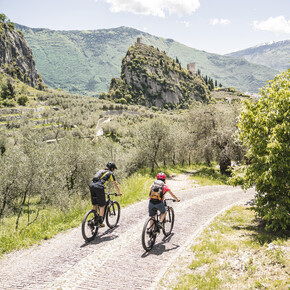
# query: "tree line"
36,173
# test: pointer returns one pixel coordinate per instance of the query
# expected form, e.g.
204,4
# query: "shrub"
22,100
264,128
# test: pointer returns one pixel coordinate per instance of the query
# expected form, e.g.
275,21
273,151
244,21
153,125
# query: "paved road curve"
116,259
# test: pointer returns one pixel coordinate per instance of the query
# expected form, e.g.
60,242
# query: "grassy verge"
234,252
205,175
135,188
52,221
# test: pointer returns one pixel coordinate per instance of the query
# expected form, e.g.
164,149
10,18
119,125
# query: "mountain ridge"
85,61
275,55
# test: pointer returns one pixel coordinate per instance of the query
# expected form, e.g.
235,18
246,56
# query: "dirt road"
116,259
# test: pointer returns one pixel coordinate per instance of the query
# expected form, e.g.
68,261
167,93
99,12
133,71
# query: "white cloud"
221,21
157,8
185,23
278,25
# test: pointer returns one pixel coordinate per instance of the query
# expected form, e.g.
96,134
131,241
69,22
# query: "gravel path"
116,259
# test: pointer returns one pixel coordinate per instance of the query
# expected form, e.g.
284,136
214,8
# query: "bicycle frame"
108,202
157,216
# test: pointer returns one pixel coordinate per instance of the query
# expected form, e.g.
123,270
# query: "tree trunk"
225,164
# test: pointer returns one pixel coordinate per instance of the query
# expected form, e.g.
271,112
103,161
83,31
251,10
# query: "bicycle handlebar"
115,194
172,199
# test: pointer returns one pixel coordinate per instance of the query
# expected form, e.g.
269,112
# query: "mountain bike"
90,224
151,228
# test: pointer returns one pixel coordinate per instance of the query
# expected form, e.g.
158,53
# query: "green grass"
235,252
135,188
205,175
49,223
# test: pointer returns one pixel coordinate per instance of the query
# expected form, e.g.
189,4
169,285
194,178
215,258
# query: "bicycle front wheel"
89,225
168,222
113,214
149,234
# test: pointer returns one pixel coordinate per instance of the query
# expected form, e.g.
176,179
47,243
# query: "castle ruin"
191,67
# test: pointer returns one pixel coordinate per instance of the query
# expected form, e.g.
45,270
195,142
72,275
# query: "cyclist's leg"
102,211
152,212
94,196
163,215
161,207
101,202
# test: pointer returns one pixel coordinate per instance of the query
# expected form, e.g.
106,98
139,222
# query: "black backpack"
101,173
156,190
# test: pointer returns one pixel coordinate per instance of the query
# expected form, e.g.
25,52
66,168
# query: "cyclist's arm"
117,187
173,195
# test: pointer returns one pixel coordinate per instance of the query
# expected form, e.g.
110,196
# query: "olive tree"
150,139
202,126
264,128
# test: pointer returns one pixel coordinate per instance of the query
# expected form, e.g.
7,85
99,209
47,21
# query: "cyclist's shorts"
154,207
97,195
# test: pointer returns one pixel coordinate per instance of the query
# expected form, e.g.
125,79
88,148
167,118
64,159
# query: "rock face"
149,77
16,56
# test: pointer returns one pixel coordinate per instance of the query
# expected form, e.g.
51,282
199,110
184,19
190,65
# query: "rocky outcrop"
16,56
149,77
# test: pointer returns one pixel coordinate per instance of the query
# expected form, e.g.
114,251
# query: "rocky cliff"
149,77
16,56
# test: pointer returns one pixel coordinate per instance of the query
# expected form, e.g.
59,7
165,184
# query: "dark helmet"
161,176
111,165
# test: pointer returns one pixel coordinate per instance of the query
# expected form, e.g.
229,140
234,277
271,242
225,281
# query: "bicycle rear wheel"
113,214
89,225
168,222
149,234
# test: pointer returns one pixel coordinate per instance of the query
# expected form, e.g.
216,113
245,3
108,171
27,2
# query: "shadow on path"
101,238
160,248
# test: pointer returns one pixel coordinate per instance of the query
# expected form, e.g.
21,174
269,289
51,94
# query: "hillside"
18,75
85,61
149,77
275,55
16,57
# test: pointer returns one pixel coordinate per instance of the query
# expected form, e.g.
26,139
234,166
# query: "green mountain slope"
275,55
85,61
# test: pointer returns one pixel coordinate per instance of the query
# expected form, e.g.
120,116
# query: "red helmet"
161,175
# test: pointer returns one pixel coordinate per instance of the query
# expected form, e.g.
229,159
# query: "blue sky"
219,26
